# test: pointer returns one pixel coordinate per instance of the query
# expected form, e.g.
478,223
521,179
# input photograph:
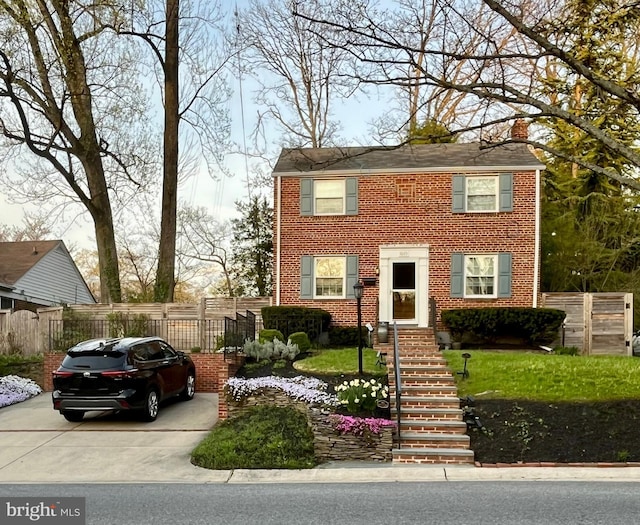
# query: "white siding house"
39,273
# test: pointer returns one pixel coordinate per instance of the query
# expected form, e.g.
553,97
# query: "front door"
404,284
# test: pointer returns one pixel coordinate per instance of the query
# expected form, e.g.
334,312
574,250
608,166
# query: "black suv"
131,373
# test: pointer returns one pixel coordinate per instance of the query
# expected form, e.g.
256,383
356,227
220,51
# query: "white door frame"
418,254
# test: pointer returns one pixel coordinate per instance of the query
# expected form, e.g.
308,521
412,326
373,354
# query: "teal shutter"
504,275
458,196
306,277
352,275
306,196
457,275
351,196
506,192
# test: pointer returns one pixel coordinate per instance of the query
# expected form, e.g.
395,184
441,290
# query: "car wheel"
74,416
151,405
189,387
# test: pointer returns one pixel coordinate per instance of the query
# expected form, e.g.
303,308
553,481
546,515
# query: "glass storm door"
404,290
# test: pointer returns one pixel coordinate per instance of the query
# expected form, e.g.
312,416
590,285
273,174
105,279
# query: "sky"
218,195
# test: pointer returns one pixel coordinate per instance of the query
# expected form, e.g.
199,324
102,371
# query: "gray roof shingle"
412,157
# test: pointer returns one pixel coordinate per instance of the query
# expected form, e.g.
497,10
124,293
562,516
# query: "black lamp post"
358,290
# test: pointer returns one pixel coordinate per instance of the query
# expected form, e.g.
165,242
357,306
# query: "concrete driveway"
38,445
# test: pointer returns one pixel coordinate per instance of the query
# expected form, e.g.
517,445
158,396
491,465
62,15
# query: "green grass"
341,361
548,378
266,437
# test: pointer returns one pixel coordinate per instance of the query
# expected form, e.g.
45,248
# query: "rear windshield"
94,360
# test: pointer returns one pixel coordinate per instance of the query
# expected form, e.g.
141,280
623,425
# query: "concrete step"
428,384
425,412
436,426
429,440
433,456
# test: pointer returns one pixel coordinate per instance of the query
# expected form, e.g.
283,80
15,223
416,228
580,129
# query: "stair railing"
396,371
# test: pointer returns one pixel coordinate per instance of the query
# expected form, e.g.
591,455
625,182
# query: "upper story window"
482,193
329,196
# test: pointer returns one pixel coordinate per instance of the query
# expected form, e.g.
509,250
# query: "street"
441,503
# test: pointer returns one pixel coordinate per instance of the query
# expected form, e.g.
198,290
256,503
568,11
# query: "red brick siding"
408,209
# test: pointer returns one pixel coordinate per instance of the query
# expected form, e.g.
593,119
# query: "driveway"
38,445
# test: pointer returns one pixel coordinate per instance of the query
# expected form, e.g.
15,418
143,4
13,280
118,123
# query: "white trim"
496,272
496,193
278,236
317,174
536,254
418,254
343,196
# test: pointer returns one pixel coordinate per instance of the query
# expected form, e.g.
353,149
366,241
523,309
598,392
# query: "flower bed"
336,437
15,389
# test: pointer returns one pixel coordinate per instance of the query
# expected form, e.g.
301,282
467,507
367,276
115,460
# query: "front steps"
432,430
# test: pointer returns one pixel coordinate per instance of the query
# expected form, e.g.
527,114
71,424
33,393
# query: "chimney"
35,251
520,129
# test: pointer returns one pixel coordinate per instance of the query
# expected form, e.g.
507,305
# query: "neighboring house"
459,223
34,274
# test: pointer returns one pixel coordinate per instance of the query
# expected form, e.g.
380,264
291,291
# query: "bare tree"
70,100
300,75
507,84
197,64
202,238
35,227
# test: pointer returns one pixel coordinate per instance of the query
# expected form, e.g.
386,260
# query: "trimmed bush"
291,319
301,339
267,334
532,325
270,350
346,336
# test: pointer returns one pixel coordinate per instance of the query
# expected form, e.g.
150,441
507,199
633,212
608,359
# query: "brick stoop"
432,430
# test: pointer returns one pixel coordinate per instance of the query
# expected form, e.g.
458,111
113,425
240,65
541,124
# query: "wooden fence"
28,333
597,323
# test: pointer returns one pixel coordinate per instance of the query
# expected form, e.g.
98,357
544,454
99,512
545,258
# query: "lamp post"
358,290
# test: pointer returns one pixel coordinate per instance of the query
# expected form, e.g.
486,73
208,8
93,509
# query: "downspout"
278,226
536,255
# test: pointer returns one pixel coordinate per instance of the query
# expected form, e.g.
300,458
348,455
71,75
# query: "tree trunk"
165,277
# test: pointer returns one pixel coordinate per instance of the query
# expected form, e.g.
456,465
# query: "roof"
17,258
410,158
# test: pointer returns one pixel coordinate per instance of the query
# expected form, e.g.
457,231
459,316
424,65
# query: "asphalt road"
440,503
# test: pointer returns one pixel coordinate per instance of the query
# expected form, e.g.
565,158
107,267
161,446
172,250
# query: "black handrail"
396,369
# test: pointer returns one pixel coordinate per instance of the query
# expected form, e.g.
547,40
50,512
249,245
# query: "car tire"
74,416
151,406
189,387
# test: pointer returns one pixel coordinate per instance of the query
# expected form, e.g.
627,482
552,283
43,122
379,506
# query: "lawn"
544,377
340,361
538,407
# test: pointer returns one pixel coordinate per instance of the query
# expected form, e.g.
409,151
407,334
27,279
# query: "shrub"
124,325
301,339
270,350
264,437
346,336
566,350
360,395
533,325
267,334
291,319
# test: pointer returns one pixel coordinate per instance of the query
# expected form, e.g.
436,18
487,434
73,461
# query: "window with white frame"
329,276
329,196
482,193
480,275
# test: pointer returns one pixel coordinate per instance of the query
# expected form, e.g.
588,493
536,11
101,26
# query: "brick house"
459,223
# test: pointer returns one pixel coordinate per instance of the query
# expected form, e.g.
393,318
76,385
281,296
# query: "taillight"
61,373
120,374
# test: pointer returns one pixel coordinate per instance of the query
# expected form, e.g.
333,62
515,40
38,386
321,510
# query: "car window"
94,360
155,351
167,351
140,353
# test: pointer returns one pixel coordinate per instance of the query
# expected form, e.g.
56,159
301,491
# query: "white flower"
356,400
